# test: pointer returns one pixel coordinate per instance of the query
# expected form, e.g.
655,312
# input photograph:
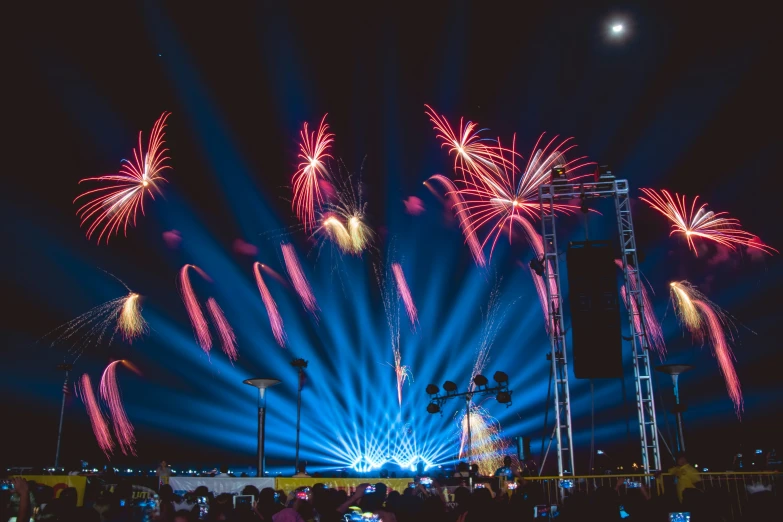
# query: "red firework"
227,337
654,331
298,278
97,420
110,393
197,319
313,149
113,207
405,294
275,320
458,204
702,223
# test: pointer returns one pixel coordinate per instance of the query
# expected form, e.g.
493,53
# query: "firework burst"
700,222
343,219
114,207
298,279
196,315
313,151
227,337
705,320
275,320
121,315
100,427
110,393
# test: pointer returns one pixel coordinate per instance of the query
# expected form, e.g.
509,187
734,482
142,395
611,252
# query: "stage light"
500,377
479,380
433,408
504,397
449,387
558,174
617,28
537,266
432,389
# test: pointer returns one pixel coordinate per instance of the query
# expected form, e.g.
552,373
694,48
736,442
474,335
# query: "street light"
262,385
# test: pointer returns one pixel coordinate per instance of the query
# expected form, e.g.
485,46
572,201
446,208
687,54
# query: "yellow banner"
348,484
60,482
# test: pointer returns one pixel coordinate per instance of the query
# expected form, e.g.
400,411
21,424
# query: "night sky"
685,101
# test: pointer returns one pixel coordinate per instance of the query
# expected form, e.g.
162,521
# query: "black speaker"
595,310
523,449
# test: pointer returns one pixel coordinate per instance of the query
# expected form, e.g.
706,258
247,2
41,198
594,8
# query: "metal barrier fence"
733,488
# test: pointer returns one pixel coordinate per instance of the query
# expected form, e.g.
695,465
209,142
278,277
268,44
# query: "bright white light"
617,28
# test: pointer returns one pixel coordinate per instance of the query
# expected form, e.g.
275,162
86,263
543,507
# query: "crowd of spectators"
508,497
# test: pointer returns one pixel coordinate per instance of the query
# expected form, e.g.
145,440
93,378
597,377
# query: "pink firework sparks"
298,278
405,294
110,393
473,155
275,320
496,197
97,420
227,338
197,319
458,204
705,320
654,331
538,249
701,223
113,207
313,149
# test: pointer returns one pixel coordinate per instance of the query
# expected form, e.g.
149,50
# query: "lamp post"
67,368
300,365
675,370
262,385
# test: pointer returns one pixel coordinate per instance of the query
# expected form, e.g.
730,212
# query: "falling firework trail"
227,337
197,319
298,278
405,294
654,331
99,426
704,319
115,206
131,323
493,320
391,307
110,393
460,209
701,222
538,250
307,192
275,320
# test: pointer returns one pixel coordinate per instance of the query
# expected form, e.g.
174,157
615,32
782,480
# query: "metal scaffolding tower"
648,426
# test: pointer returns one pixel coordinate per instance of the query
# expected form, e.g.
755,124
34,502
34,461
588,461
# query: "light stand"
300,365
437,400
262,385
67,368
675,370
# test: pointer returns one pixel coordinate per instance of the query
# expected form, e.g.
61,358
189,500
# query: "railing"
733,487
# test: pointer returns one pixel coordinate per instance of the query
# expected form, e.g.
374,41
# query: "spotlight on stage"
558,175
537,266
449,387
500,377
433,408
432,389
479,380
504,397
